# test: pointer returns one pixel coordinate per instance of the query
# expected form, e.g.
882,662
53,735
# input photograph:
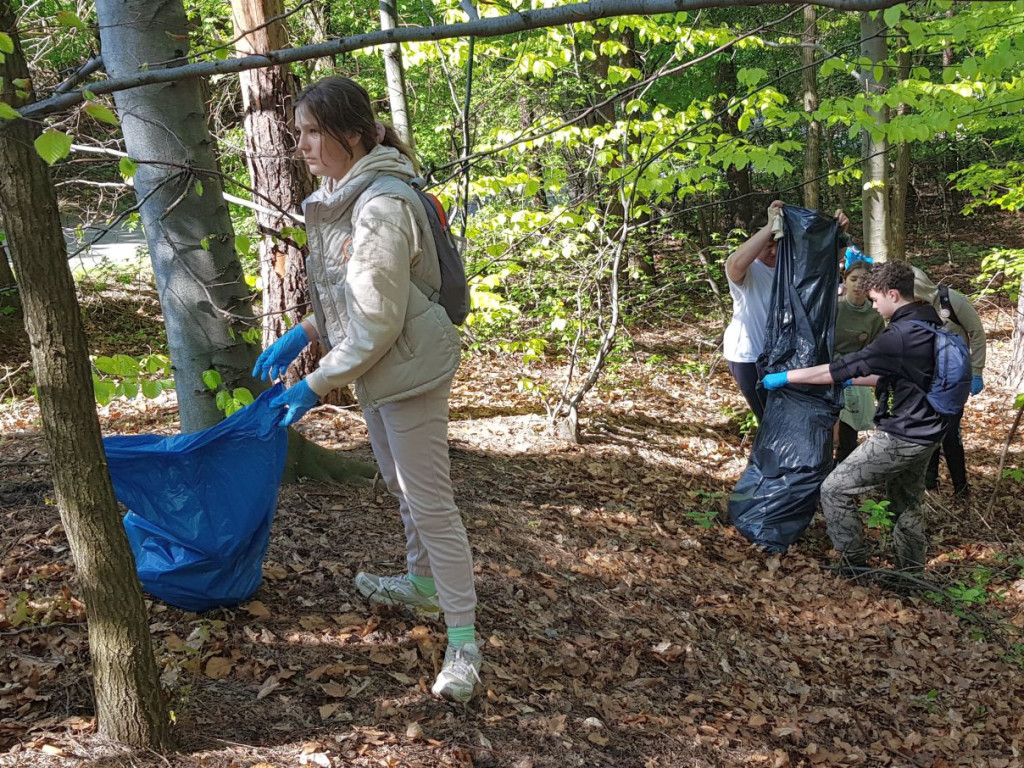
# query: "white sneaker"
460,673
397,590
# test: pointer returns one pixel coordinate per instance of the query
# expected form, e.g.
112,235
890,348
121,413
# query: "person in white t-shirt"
750,270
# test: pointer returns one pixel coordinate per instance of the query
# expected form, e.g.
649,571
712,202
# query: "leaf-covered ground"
624,623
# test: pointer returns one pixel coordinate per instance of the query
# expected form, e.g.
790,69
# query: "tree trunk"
129,704
394,71
739,206
875,146
1015,374
205,301
900,177
812,152
280,183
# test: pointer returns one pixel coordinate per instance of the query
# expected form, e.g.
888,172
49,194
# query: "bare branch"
488,27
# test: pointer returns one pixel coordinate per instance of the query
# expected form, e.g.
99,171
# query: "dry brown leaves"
618,631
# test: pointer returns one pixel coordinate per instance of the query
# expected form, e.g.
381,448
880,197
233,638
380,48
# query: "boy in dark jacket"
900,364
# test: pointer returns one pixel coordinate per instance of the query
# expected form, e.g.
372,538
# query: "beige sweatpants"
410,441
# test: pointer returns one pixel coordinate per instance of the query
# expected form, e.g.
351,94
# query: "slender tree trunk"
280,183
534,165
205,301
875,146
740,204
812,153
833,166
129,704
900,177
394,70
1015,374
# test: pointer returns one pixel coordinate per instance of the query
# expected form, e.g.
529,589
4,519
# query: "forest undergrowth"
625,623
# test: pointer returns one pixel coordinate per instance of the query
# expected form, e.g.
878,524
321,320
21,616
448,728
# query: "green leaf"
127,167
212,379
915,33
53,145
892,15
101,113
295,233
223,400
242,395
6,43
70,20
242,245
205,242
103,390
199,187
131,389
151,389
220,54
7,112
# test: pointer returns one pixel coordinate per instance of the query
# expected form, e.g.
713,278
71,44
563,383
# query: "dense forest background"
600,172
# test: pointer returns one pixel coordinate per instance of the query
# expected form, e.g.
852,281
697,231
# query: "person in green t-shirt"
857,324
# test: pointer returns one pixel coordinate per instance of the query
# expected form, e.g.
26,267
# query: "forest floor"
624,622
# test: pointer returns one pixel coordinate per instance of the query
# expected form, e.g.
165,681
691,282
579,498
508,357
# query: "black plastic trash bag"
775,498
200,505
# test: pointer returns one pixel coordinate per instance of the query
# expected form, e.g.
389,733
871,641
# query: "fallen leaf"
219,667
257,609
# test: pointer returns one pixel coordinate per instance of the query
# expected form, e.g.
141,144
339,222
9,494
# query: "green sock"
424,585
459,636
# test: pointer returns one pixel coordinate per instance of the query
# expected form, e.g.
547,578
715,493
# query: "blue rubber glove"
775,380
977,384
847,383
299,399
275,359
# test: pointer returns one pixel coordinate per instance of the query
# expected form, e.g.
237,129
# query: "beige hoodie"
970,327
367,234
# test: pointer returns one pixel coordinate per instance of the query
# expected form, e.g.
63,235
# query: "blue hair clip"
855,254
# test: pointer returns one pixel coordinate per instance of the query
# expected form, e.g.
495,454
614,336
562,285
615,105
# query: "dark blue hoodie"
904,357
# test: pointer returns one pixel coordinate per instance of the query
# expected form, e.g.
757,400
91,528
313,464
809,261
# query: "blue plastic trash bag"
200,505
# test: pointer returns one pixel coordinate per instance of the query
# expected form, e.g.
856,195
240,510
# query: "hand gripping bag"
775,498
200,505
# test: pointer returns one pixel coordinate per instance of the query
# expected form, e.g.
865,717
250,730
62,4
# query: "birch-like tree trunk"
205,301
129,703
812,149
900,177
394,70
874,144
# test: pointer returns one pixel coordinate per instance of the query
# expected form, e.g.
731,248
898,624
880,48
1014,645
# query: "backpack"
947,306
951,384
454,292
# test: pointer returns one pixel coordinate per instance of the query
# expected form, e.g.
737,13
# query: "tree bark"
279,182
205,301
394,70
900,177
129,703
812,150
1015,374
875,146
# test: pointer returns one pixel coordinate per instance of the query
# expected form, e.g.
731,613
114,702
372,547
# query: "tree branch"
488,27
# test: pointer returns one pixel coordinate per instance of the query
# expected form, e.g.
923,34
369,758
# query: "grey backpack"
453,294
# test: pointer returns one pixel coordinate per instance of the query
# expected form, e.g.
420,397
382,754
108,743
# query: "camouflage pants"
900,466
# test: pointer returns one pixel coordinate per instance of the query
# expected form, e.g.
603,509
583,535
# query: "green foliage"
129,377
228,401
879,514
53,145
706,515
